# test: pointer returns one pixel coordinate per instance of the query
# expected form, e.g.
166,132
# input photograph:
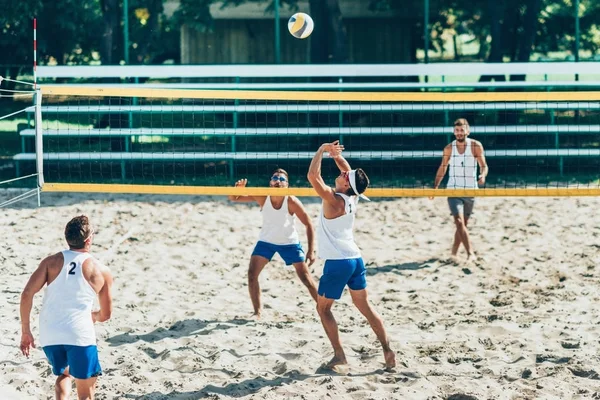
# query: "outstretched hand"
27,342
481,180
334,149
241,183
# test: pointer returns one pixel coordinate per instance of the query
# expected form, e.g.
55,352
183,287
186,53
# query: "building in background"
245,35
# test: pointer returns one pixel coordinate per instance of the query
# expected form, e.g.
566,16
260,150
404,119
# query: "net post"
34,53
39,143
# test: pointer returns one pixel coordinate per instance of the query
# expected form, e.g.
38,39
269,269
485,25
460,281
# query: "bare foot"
335,363
256,315
453,259
390,360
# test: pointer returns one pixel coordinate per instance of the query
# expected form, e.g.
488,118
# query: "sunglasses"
279,178
346,176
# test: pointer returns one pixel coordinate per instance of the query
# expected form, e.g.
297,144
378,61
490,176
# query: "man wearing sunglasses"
343,261
279,235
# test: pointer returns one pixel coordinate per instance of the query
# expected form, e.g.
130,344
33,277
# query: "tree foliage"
76,32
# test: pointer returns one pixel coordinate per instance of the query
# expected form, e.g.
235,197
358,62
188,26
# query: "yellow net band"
455,97
309,192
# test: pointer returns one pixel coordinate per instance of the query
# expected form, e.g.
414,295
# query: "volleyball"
301,25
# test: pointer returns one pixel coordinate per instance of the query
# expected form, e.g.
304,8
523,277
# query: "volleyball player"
279,235
462,156
73,279
343,261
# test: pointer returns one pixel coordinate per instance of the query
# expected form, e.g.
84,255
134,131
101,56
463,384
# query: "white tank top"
66,316
463,168
336,237
278,227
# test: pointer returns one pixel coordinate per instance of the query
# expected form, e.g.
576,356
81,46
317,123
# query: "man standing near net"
343,261
279,235
462,156
74,278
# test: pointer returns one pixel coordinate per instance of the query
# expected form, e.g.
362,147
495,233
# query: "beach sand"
520,323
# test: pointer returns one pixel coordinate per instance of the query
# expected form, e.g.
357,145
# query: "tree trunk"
110,11
495,8
319,48
338,53
527,39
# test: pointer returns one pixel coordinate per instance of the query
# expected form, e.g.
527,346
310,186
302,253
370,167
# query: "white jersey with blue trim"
66,316
336,236
463,168
278,227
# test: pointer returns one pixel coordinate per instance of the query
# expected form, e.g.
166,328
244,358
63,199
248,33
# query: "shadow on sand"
188,327
398,268
240,389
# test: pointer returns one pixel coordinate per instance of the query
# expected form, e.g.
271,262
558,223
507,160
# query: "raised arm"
315,178
246,199
241,199
296,207
479,154
335,152
36,282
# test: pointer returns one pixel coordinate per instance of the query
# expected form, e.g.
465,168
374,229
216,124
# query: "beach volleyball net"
26,105
163,141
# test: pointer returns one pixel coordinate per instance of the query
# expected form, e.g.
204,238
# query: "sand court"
521,322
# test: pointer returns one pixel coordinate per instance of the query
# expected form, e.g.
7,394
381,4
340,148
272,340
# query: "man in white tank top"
462,156
73,280
344,265
278,235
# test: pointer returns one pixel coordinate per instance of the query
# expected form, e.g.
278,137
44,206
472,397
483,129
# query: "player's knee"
60,379
320,309
362,304
459,221
253,273
323,308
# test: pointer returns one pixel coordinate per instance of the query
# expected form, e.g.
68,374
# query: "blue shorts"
339,273
291,253
82,360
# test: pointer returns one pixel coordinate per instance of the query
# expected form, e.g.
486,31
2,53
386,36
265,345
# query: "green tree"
153,38
16,20
557,27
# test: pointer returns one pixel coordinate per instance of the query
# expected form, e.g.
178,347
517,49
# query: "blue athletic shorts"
82,360
339,273
291,253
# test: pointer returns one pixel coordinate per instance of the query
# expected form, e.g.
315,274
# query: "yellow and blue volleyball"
301,25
